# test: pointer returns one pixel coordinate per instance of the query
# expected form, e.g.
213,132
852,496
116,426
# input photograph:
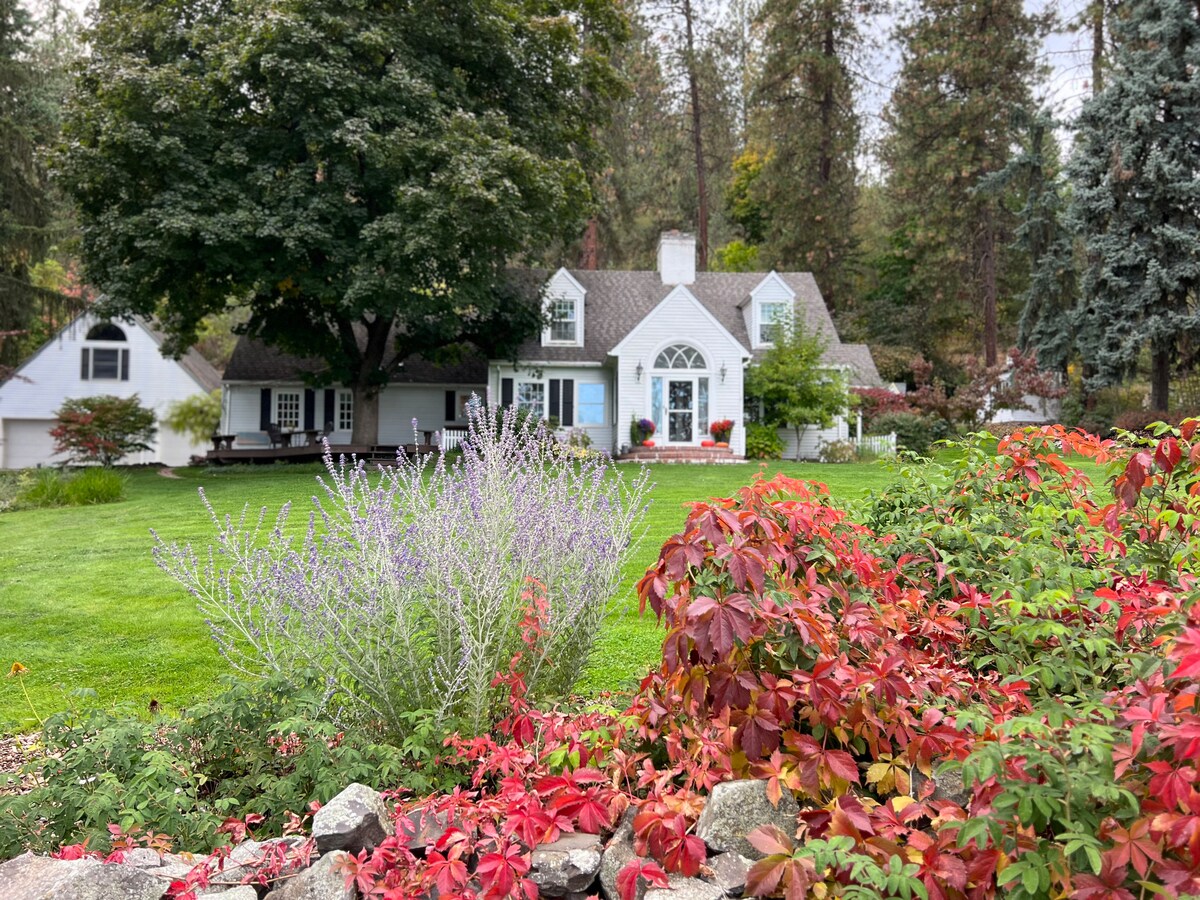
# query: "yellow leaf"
899,803
17,670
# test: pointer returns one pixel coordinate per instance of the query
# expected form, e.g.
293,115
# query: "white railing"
452,438
878,444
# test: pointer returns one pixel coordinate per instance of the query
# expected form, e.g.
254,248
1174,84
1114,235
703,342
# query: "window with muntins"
287,409
771,316
345,411
563,321
531,397
100,360
679,356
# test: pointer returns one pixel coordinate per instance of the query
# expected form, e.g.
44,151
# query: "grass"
82,604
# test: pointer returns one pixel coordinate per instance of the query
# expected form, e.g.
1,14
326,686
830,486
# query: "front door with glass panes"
679,399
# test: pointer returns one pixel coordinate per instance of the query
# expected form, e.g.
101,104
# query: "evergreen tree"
967,69
1136,200
805,127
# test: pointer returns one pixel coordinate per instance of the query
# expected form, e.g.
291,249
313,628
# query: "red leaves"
716,624
504,869
664,835
779,872
638,869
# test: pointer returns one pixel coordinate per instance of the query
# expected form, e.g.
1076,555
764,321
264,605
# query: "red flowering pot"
647,443
708,443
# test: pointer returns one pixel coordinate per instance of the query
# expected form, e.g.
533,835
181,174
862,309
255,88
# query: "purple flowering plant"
408,588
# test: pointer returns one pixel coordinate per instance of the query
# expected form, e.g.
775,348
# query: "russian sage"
408,588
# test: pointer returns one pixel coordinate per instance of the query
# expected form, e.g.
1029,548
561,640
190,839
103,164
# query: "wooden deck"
373,453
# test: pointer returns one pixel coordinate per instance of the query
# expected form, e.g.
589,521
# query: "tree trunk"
589,253
366,416
1160,380
697,138
1097,14
800,430
987,277
827,105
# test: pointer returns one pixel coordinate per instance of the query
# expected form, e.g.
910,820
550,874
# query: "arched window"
104,363
679,356
105,331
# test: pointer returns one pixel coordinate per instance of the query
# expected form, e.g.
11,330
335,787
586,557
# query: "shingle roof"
191,362
616,301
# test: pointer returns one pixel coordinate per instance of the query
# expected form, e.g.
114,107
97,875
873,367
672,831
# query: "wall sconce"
638,371
723,371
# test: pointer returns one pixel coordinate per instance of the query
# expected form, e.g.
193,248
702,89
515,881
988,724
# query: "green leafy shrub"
261,747
763,442
102,429
39,488
914,432
839,452
197,416
95,485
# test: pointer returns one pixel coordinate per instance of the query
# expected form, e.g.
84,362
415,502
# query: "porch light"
723,371
639,370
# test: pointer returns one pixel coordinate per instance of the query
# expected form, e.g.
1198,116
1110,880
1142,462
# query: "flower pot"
708,443
647,443
722,443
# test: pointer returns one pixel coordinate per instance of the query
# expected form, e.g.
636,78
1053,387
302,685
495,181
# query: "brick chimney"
677,257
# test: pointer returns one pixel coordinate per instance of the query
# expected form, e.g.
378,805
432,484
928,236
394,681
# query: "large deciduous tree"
1136,178
357,173
967,70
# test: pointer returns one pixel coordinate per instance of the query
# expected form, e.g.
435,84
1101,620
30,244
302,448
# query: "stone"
321,881
245,892
947,785
142,858
729,872
248,856
30,877
617,853
422,828
356,819
566,866
735,808
686,889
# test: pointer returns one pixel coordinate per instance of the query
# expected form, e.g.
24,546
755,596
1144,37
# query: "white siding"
772,289
53,375
813,439
680,319
601,434
564,286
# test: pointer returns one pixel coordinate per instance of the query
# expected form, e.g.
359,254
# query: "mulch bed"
14,753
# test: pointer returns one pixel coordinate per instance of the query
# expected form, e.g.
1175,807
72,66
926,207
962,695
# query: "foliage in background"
914,432
261,748
102,429
48,487
794,387
763,441
197,416
412,589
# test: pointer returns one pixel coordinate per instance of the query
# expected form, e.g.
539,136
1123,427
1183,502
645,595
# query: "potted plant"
640,432
721,430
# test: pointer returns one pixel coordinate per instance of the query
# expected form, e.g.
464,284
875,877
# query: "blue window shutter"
568,402
85,368
506,391
310,407
264,408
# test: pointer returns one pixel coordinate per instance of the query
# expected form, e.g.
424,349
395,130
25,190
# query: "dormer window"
564,321
773,317
104,356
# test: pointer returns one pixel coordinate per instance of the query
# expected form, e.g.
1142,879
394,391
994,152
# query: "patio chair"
274,435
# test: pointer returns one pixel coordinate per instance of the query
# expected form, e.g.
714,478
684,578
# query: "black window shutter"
124,365
451,412
329,420
264,408
310,407
506,391
85,369
568,402
553,411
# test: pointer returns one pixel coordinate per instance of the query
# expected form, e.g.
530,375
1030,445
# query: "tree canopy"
356,173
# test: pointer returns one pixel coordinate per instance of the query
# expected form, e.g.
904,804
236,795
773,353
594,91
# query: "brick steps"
697,455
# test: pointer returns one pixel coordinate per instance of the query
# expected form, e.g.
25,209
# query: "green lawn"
83,605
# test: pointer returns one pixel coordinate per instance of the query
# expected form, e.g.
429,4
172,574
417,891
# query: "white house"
670,345
93,356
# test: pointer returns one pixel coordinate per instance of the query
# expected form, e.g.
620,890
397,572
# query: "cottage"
92,356
670,345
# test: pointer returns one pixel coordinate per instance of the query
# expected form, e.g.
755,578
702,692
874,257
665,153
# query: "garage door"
27,443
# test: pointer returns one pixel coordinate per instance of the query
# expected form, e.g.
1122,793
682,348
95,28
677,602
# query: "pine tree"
967,70
807,130
1136,200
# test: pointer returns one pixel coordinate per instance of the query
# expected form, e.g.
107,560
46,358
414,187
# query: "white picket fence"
452,438
878,444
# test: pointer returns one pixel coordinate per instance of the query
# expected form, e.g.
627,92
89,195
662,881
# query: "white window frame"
572,319
108,346
580,405
520,402
759,320
277,404
343,410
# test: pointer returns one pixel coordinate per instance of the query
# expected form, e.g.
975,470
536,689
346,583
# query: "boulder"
322,881
686,889
729,872
735,808
947,785
245,892
247,857
566,866
32,877
142,858
356,819
423,828
617,853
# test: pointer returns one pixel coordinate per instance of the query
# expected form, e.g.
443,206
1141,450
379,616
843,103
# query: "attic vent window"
105,331
102,362
679,356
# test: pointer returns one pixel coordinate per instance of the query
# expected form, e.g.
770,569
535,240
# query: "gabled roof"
254,361
682,291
